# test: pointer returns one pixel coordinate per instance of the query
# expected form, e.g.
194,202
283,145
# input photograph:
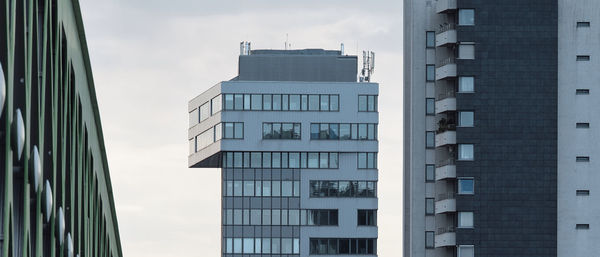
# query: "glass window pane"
466,17
297,131
229,188
287,130
237,245
314,131
248,188
266,248
371,161
333,161
276,217
255,159
276,102
276,130
466,186
371,103
362,131
228,102
246,217
324,160
429,239
246,102
294,217
267,127
313,160
294,160
257,102
229,245
284,217
430,76
465,119
429,206
239,130
266,159
276,160
429,172
296,188
267,102
303,160
257,245
285,103
334,131
276,188
466,84
194,117
344,131
334,102
362,103
286,245
229,217
266,217
239,102
296,245
324,131
237,188
465,152
313,102
429,139
237,217
466,51
466,251
304,99
286,188
266,188
430,41
354,131
248,245
362,160
257,188
275,245
228,130
430,106
465,219
371,132
294,102
324,102
255,217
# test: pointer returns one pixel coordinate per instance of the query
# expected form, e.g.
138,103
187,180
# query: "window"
341,131
321,217
430,39
294,102
228,102
466,186
233,130
582,125
267,101
466,50
466,84
582,192
582,159
465,119
429,173
334,103
330,188
335,246
204,111
367,160
194,117
430,106
256,102
582,226
429,206
582,91
430,72
238,102
465,219
466,17
281,130
466,251
429,239
429,139
323,160
216,104
583,24
367,103
313,102
276,102
367,218
465,152
583,58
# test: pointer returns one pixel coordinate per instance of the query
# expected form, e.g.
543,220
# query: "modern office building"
55,190
295,136
501,129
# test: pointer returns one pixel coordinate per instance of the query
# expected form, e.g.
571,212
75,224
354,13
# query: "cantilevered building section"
500,134
55,191
295,137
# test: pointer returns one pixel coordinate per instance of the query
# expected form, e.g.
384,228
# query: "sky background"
150,57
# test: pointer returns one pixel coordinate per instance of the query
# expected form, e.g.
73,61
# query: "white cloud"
150,57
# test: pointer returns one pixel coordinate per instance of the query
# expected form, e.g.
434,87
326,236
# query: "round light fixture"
35,173
69,245
60,225
18,134
48,201
2,89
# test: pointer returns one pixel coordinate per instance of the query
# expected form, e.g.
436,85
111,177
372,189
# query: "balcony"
445,237
447,171
445,69
445,105
445,138
445,6
446,35
445,203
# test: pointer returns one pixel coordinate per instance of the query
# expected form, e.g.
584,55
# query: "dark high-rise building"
295,136
55,190
500,135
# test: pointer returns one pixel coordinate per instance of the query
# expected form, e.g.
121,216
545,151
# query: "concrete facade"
532,133
218,152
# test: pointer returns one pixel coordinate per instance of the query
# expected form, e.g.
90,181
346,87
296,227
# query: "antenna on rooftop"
245,48
368,66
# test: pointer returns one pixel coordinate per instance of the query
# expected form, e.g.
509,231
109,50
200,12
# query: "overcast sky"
150,57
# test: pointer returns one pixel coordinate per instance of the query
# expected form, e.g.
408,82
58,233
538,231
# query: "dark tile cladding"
515,133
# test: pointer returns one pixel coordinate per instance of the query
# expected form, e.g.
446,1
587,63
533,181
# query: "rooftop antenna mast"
368,66
287,44
245,48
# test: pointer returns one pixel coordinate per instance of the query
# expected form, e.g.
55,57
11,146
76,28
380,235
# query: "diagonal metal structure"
55,190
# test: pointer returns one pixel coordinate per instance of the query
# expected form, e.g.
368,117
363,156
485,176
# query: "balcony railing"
446,94
446,125
443,62
449,161
443,230
445,27
445,196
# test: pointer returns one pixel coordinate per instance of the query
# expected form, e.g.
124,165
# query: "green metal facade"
55,190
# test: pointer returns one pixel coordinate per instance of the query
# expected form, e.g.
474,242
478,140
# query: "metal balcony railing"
443,230
445,196
442,163
446,94
445,27
443,62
